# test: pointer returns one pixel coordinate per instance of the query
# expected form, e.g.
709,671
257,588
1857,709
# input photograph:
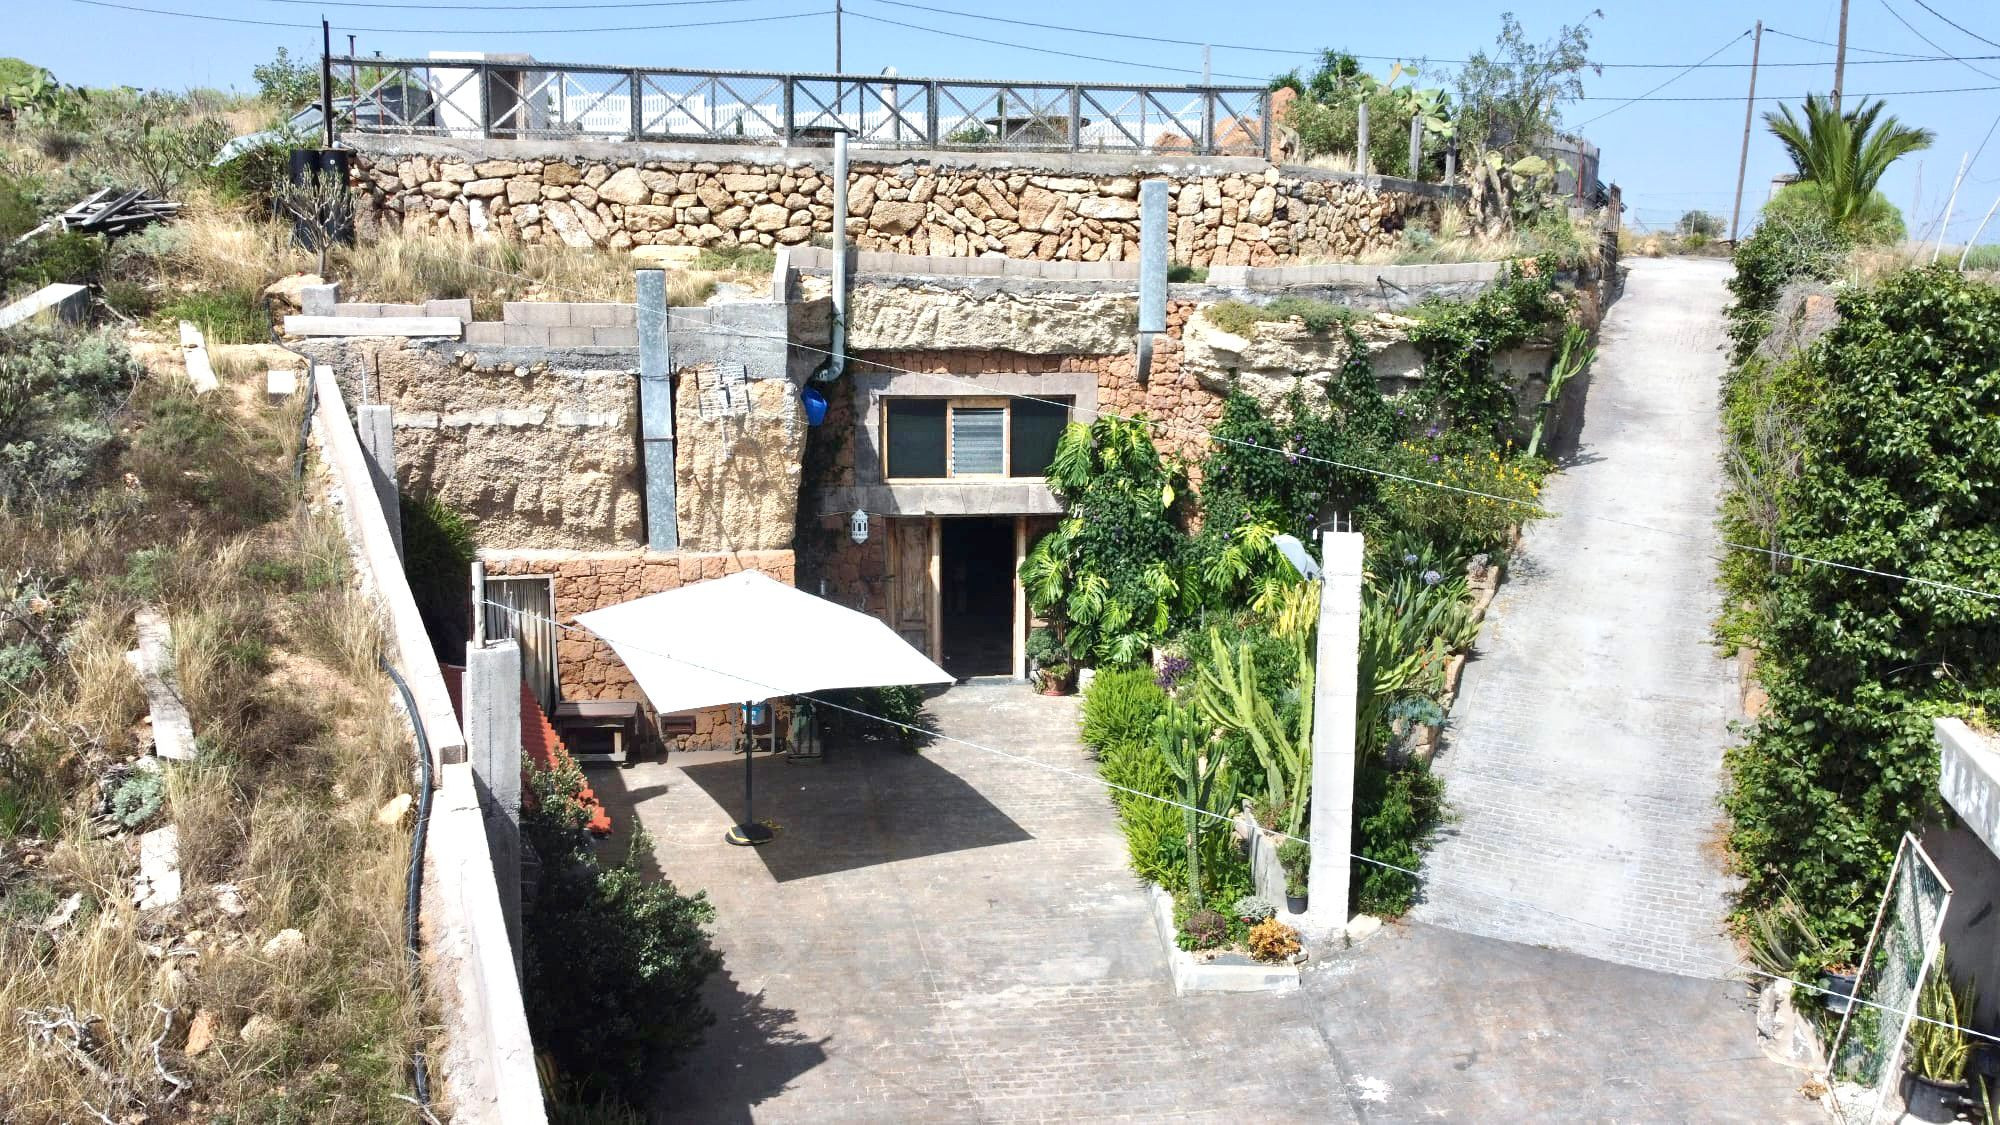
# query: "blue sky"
1668,156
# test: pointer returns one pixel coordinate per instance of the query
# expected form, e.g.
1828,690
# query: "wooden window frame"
951,404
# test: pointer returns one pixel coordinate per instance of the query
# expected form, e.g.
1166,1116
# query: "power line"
455,30
1934,44
1259,79
1135,36
1768,30
1956,24
1734,40
1202,431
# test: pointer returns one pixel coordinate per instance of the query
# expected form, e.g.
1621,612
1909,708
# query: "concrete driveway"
953,936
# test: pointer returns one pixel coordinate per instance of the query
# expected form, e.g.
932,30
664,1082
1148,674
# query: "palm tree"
1845,154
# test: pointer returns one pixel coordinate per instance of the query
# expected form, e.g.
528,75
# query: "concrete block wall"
522,324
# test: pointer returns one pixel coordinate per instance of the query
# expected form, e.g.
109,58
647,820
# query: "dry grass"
299,745
409,268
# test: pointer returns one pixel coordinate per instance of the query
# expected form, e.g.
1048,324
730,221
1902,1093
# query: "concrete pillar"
656,413
1337,664
492,690
377,427
1361,138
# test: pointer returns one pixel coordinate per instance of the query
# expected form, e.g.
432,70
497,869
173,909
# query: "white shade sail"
749,637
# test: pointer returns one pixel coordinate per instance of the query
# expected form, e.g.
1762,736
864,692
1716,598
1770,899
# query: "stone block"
527,336
319,300
460,307
566,336
603,314
615,337
543,314
280,383
486,333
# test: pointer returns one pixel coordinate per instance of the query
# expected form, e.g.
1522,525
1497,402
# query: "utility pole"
836,37
1205,80
1840,58
1749,111
326,78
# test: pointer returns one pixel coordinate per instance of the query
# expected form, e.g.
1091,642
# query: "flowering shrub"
1487,495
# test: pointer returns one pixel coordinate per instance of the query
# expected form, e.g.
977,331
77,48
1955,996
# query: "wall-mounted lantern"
857,526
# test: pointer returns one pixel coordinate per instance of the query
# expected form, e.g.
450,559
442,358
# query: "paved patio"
953,935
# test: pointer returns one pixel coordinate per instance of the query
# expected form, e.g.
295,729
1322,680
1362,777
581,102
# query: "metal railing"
528,99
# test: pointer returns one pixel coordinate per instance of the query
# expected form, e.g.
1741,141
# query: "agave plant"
1844,153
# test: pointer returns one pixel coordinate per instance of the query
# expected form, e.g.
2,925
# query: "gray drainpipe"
1152,270
656,413
838,364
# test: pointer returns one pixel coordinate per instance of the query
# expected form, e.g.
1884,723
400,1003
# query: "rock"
60,916
523,190
924,319
1263,205
391,814
284,943
561,175
566,224
1108,207
890,217
485,189
260,1028
1362,927
201,1033
438,189
730,218
624,186
159,881
769,217
229,899
456,173
285,290
752,182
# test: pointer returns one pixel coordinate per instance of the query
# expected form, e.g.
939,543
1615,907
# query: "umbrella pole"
749,832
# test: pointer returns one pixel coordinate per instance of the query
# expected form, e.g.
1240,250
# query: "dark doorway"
976,596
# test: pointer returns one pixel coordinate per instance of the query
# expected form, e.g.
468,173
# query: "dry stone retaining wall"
1225,212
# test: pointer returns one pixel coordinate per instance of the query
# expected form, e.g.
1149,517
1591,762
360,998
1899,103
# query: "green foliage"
191,450
58,390
226,316
157,141
137,798
438,549
1200,784
52,258
750,259
1789,245
1231,700
1110,571
1896,449
1240,319
1843,155
1938,1047
902,704
1204,929
1510,105
1183,274
285,82
1404,807
612,960
1459,340
1574,355
1295,856
1119,708
1326,115
1699,224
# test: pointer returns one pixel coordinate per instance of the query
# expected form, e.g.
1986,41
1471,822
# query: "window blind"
978,440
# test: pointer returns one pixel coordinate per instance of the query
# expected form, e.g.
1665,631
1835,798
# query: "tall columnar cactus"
1183,741
1230,699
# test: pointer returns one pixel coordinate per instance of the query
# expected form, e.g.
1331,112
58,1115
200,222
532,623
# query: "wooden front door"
913,582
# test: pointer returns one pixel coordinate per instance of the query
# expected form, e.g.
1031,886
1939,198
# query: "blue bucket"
815,404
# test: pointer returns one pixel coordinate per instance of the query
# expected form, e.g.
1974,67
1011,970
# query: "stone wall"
539,447
586,668
1227,211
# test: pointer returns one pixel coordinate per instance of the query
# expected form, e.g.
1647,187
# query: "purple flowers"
1172,668
1409,560
1432,578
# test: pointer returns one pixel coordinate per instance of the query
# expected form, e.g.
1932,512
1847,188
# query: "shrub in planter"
1253,909
1272,940
1938,1050
1119,708
1295,856
1204,929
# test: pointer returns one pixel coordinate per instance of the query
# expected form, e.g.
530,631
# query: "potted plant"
1296,858
1054,666
1838,975
1935,1085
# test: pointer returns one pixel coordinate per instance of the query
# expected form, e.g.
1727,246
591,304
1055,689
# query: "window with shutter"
978,441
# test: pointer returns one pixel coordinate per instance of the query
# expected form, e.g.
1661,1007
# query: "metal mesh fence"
1868,1048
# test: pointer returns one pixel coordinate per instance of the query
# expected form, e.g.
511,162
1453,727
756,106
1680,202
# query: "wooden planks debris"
200,372
65,302
110,212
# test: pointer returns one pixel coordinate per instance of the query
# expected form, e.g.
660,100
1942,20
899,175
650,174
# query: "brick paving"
1584,754
953,936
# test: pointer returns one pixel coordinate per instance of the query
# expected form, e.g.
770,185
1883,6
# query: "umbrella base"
748,834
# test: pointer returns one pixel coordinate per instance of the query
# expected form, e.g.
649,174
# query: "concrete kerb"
1215,972
488,1061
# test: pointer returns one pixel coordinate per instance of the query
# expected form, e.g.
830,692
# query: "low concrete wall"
64,302
488,1062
